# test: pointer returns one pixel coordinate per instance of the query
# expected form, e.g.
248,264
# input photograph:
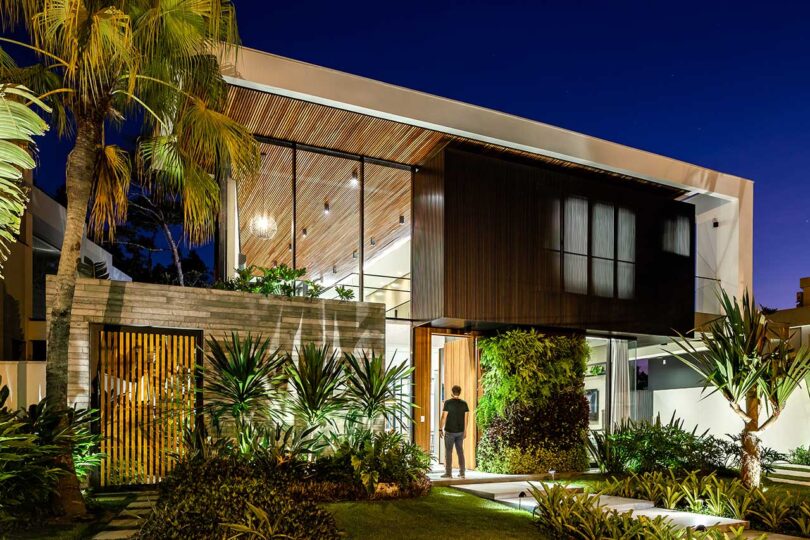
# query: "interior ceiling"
287,119
331,245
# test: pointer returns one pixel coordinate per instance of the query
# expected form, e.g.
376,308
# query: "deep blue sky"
720,84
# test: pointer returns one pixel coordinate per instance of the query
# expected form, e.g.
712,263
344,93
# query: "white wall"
712,412
25,381
718,251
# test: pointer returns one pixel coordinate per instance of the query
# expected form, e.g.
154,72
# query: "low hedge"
200,495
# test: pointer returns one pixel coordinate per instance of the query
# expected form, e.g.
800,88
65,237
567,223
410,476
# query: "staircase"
788,473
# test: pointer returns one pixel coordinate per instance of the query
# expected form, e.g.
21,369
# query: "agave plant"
243,381
317,380
19,124
374,389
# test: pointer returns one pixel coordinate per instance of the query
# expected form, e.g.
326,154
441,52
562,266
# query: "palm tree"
18,126
103,63
753,366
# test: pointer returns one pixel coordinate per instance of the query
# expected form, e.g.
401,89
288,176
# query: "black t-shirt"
455,408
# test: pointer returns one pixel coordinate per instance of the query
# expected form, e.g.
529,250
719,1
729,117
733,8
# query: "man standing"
453,427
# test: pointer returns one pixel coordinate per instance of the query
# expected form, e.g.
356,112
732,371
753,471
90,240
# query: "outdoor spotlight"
715,223
354,182
402,220
262,226
373,242
552,472
334,269
326,208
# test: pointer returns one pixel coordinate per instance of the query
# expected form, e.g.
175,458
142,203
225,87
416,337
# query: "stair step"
788,480
791,471
504,490
683,520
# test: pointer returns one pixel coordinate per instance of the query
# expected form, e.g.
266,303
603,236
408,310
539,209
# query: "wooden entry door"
460,369
145,389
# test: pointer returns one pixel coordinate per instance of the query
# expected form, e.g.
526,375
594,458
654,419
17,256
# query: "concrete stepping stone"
683,520
140,504
136,512
623,504
125,523
498,491
116,535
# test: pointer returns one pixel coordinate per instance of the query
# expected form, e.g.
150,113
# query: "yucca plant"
19,124
243,384
106,63
753,366
317,378
374,389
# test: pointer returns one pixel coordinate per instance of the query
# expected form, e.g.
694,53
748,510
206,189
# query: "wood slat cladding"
145,392
502,265
304,122
427,263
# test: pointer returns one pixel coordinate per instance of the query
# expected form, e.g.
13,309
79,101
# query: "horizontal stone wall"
348,326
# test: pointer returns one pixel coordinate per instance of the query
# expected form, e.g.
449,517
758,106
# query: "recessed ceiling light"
326,208
304,232
353,181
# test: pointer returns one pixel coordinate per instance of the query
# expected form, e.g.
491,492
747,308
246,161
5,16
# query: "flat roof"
300,80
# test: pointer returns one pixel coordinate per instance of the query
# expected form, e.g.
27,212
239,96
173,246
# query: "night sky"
719,84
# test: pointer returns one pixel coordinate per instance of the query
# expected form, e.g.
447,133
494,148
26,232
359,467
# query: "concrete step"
608,502
788,480
791,471
503,490
683,520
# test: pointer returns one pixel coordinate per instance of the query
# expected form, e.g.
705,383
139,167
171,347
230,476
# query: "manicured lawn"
445,513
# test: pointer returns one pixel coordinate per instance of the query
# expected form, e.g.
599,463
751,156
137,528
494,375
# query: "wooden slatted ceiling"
332,240
304,122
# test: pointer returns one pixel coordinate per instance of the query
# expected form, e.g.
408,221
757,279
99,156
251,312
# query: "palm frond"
109,200
374,388
18,126
317,379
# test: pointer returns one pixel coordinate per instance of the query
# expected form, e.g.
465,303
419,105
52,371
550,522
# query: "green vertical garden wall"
533,414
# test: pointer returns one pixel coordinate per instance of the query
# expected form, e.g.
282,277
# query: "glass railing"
393,291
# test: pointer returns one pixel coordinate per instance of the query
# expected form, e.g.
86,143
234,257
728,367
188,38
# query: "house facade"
464,221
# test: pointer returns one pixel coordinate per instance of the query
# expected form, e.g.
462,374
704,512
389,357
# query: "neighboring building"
464,221
22,294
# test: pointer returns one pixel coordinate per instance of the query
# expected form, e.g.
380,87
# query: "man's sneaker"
446,476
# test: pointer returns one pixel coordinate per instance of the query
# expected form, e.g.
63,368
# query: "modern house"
448,222
464,221
23,331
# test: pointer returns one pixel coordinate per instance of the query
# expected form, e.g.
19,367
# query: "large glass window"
387,238
328,219
265,209
596,382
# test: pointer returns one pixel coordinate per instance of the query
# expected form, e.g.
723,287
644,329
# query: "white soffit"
299,80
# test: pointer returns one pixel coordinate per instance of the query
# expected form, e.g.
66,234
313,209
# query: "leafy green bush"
533,413
773,511
566,515
280,280
800,456
643,446
203,494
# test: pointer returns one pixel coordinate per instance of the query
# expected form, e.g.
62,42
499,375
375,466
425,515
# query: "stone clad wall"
348,326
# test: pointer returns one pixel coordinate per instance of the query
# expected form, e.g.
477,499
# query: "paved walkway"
127,523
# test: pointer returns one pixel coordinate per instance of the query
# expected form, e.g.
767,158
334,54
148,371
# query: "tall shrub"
533,413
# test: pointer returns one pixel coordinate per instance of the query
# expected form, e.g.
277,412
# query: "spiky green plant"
242,381
317,379
753,366
374,389
19,124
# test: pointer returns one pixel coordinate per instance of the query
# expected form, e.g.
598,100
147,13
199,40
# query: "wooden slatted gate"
145,389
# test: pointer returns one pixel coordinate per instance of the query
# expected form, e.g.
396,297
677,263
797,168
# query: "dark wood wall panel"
427,246
504,250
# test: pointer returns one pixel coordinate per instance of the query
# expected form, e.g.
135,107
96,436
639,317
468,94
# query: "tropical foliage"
317,379
19,124
533,413
280,280
374,390
800,455
770,510
753,366
643,446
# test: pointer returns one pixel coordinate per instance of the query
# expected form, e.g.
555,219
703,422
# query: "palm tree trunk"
78,182
751,458
178,266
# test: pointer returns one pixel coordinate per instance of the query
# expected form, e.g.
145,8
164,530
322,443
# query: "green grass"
445,513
